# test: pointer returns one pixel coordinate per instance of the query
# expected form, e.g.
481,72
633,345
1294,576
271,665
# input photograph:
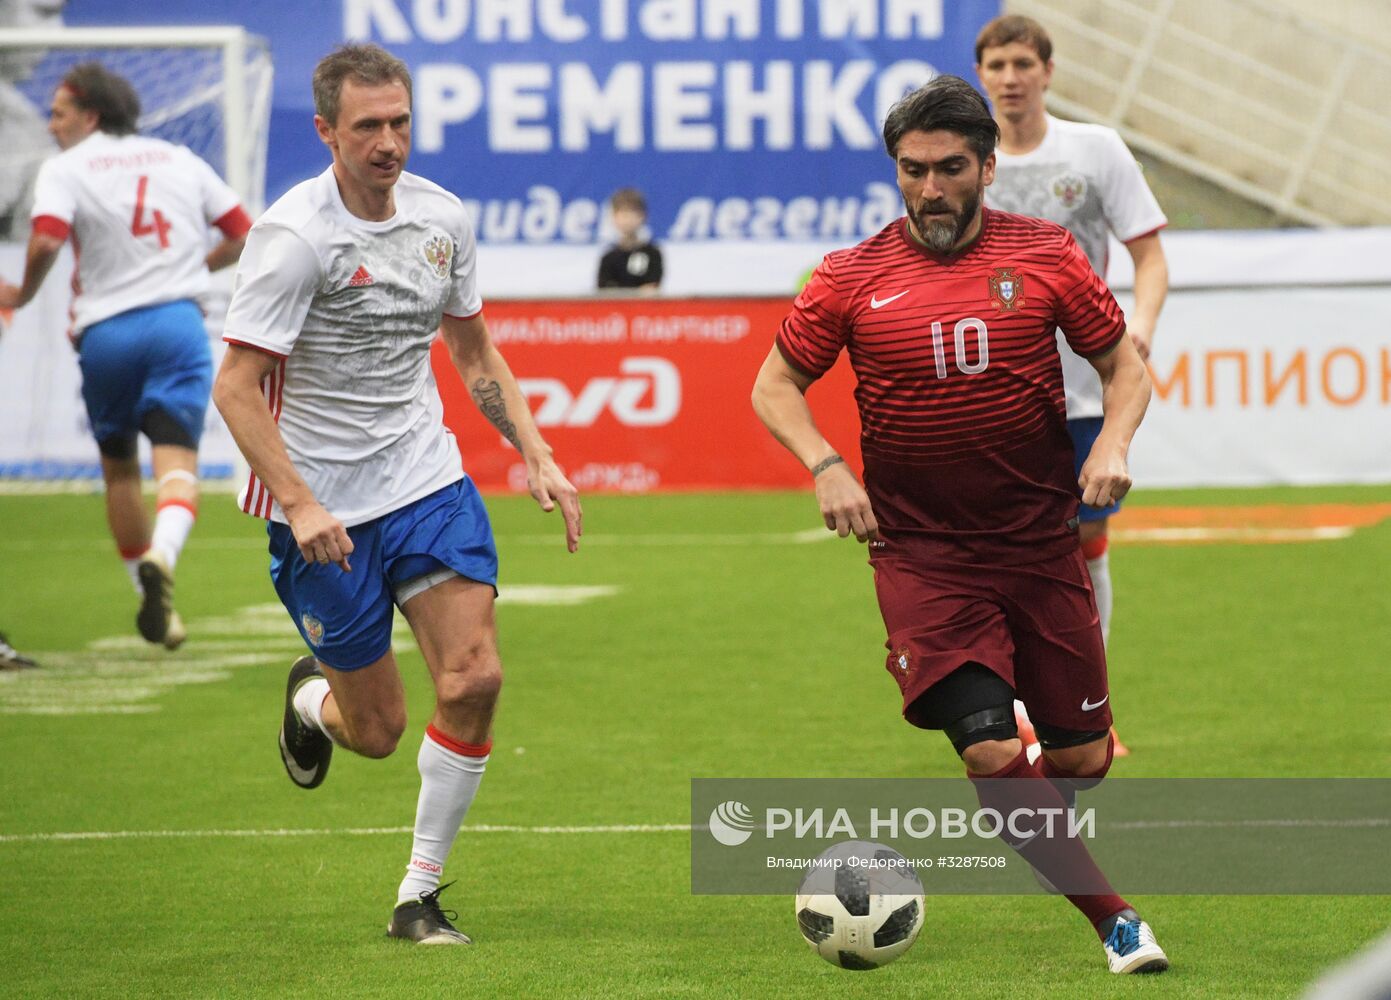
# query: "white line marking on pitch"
366,831
121,674
679,539
1241,824
1316,534
674,539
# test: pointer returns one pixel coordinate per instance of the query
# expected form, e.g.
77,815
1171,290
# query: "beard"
941,235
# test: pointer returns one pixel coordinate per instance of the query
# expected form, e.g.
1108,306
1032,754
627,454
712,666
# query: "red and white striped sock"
173,521
450,773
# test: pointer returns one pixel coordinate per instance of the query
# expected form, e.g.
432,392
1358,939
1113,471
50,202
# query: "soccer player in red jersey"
968,504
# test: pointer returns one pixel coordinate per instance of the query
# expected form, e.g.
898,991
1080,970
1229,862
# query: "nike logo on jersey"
875,302
361,277
1087,705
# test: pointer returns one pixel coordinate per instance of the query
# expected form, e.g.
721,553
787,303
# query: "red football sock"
1063,860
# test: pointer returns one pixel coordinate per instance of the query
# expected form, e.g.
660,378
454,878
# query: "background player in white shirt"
138,211
1082,177
328,390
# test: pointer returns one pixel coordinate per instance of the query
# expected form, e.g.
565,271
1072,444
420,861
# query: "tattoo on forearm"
487,394
825,464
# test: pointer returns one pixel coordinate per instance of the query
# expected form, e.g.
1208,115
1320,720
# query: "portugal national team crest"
902,660
313,628
1007,289
439,252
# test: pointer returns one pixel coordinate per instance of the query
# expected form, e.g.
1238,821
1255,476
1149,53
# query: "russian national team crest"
439,253
1070,189
1007,289
313,628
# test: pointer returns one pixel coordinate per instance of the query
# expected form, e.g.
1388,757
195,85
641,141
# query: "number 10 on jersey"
157,225
968,325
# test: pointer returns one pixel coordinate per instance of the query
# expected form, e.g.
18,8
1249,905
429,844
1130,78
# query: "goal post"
207,88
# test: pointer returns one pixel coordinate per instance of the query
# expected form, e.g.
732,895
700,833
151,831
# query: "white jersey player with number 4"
139,212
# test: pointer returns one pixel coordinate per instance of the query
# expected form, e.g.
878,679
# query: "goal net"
207,88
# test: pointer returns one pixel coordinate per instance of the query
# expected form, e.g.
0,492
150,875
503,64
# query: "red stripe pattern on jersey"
959,384
258,499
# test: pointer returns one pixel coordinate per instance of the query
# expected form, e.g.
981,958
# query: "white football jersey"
351,308
1083,178
139,211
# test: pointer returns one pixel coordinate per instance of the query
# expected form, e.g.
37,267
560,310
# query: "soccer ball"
860,906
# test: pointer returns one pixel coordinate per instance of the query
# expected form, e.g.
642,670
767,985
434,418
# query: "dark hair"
947,103
95,88
369,64
628,198
1014,28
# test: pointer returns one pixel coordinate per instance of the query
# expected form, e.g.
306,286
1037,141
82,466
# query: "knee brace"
995,723
1080,783
1057,738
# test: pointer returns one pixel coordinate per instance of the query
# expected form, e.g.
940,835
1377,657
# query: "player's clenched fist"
1104,480
321,537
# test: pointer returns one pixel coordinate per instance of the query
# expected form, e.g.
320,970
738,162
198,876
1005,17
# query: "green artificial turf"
728,648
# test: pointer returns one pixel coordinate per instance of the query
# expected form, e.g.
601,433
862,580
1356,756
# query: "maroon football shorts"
1036,626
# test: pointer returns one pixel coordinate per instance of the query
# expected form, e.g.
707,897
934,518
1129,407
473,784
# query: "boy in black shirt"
631,262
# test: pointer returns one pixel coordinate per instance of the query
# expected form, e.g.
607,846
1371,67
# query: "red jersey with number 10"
959,384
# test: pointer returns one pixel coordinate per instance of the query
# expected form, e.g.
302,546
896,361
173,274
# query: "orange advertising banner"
639,395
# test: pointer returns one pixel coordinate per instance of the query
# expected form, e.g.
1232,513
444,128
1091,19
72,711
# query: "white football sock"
309,704
133,571
1100,569
173,522
449,779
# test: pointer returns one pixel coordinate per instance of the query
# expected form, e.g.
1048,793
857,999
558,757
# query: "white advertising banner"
1260,386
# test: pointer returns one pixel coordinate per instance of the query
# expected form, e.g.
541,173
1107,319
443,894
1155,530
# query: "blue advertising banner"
739,119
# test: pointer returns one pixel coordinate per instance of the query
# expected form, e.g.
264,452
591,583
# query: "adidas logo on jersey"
360,277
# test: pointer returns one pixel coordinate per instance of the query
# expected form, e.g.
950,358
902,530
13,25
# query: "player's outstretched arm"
779,399
497,396
1125,395
237,394
38,261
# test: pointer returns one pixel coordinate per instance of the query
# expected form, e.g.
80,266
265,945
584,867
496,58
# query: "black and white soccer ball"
860,905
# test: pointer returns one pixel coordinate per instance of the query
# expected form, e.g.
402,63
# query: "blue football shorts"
147,360
1084,431
345,618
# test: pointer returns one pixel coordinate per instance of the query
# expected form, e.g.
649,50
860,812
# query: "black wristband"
825,464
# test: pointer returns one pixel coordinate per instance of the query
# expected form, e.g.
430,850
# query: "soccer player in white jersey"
1082,177
327,388
139,212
